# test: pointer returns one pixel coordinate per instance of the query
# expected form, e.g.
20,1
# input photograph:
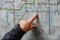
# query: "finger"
33,26
33,18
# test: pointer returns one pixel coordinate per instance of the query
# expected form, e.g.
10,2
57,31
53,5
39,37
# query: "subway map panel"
11,11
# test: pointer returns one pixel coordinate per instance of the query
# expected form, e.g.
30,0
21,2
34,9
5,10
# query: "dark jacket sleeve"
15,34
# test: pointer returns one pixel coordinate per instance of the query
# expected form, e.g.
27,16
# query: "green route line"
25,13
19,8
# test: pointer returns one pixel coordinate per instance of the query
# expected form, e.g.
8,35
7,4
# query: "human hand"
27,25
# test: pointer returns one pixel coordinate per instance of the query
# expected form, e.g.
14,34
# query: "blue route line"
49,18
6,13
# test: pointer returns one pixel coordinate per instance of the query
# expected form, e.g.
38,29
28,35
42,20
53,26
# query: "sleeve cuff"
18,29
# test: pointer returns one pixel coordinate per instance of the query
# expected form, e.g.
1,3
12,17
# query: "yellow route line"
19,8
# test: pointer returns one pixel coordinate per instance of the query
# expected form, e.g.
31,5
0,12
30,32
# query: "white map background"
49,14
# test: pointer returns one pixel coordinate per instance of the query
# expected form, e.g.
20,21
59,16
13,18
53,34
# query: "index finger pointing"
33,18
